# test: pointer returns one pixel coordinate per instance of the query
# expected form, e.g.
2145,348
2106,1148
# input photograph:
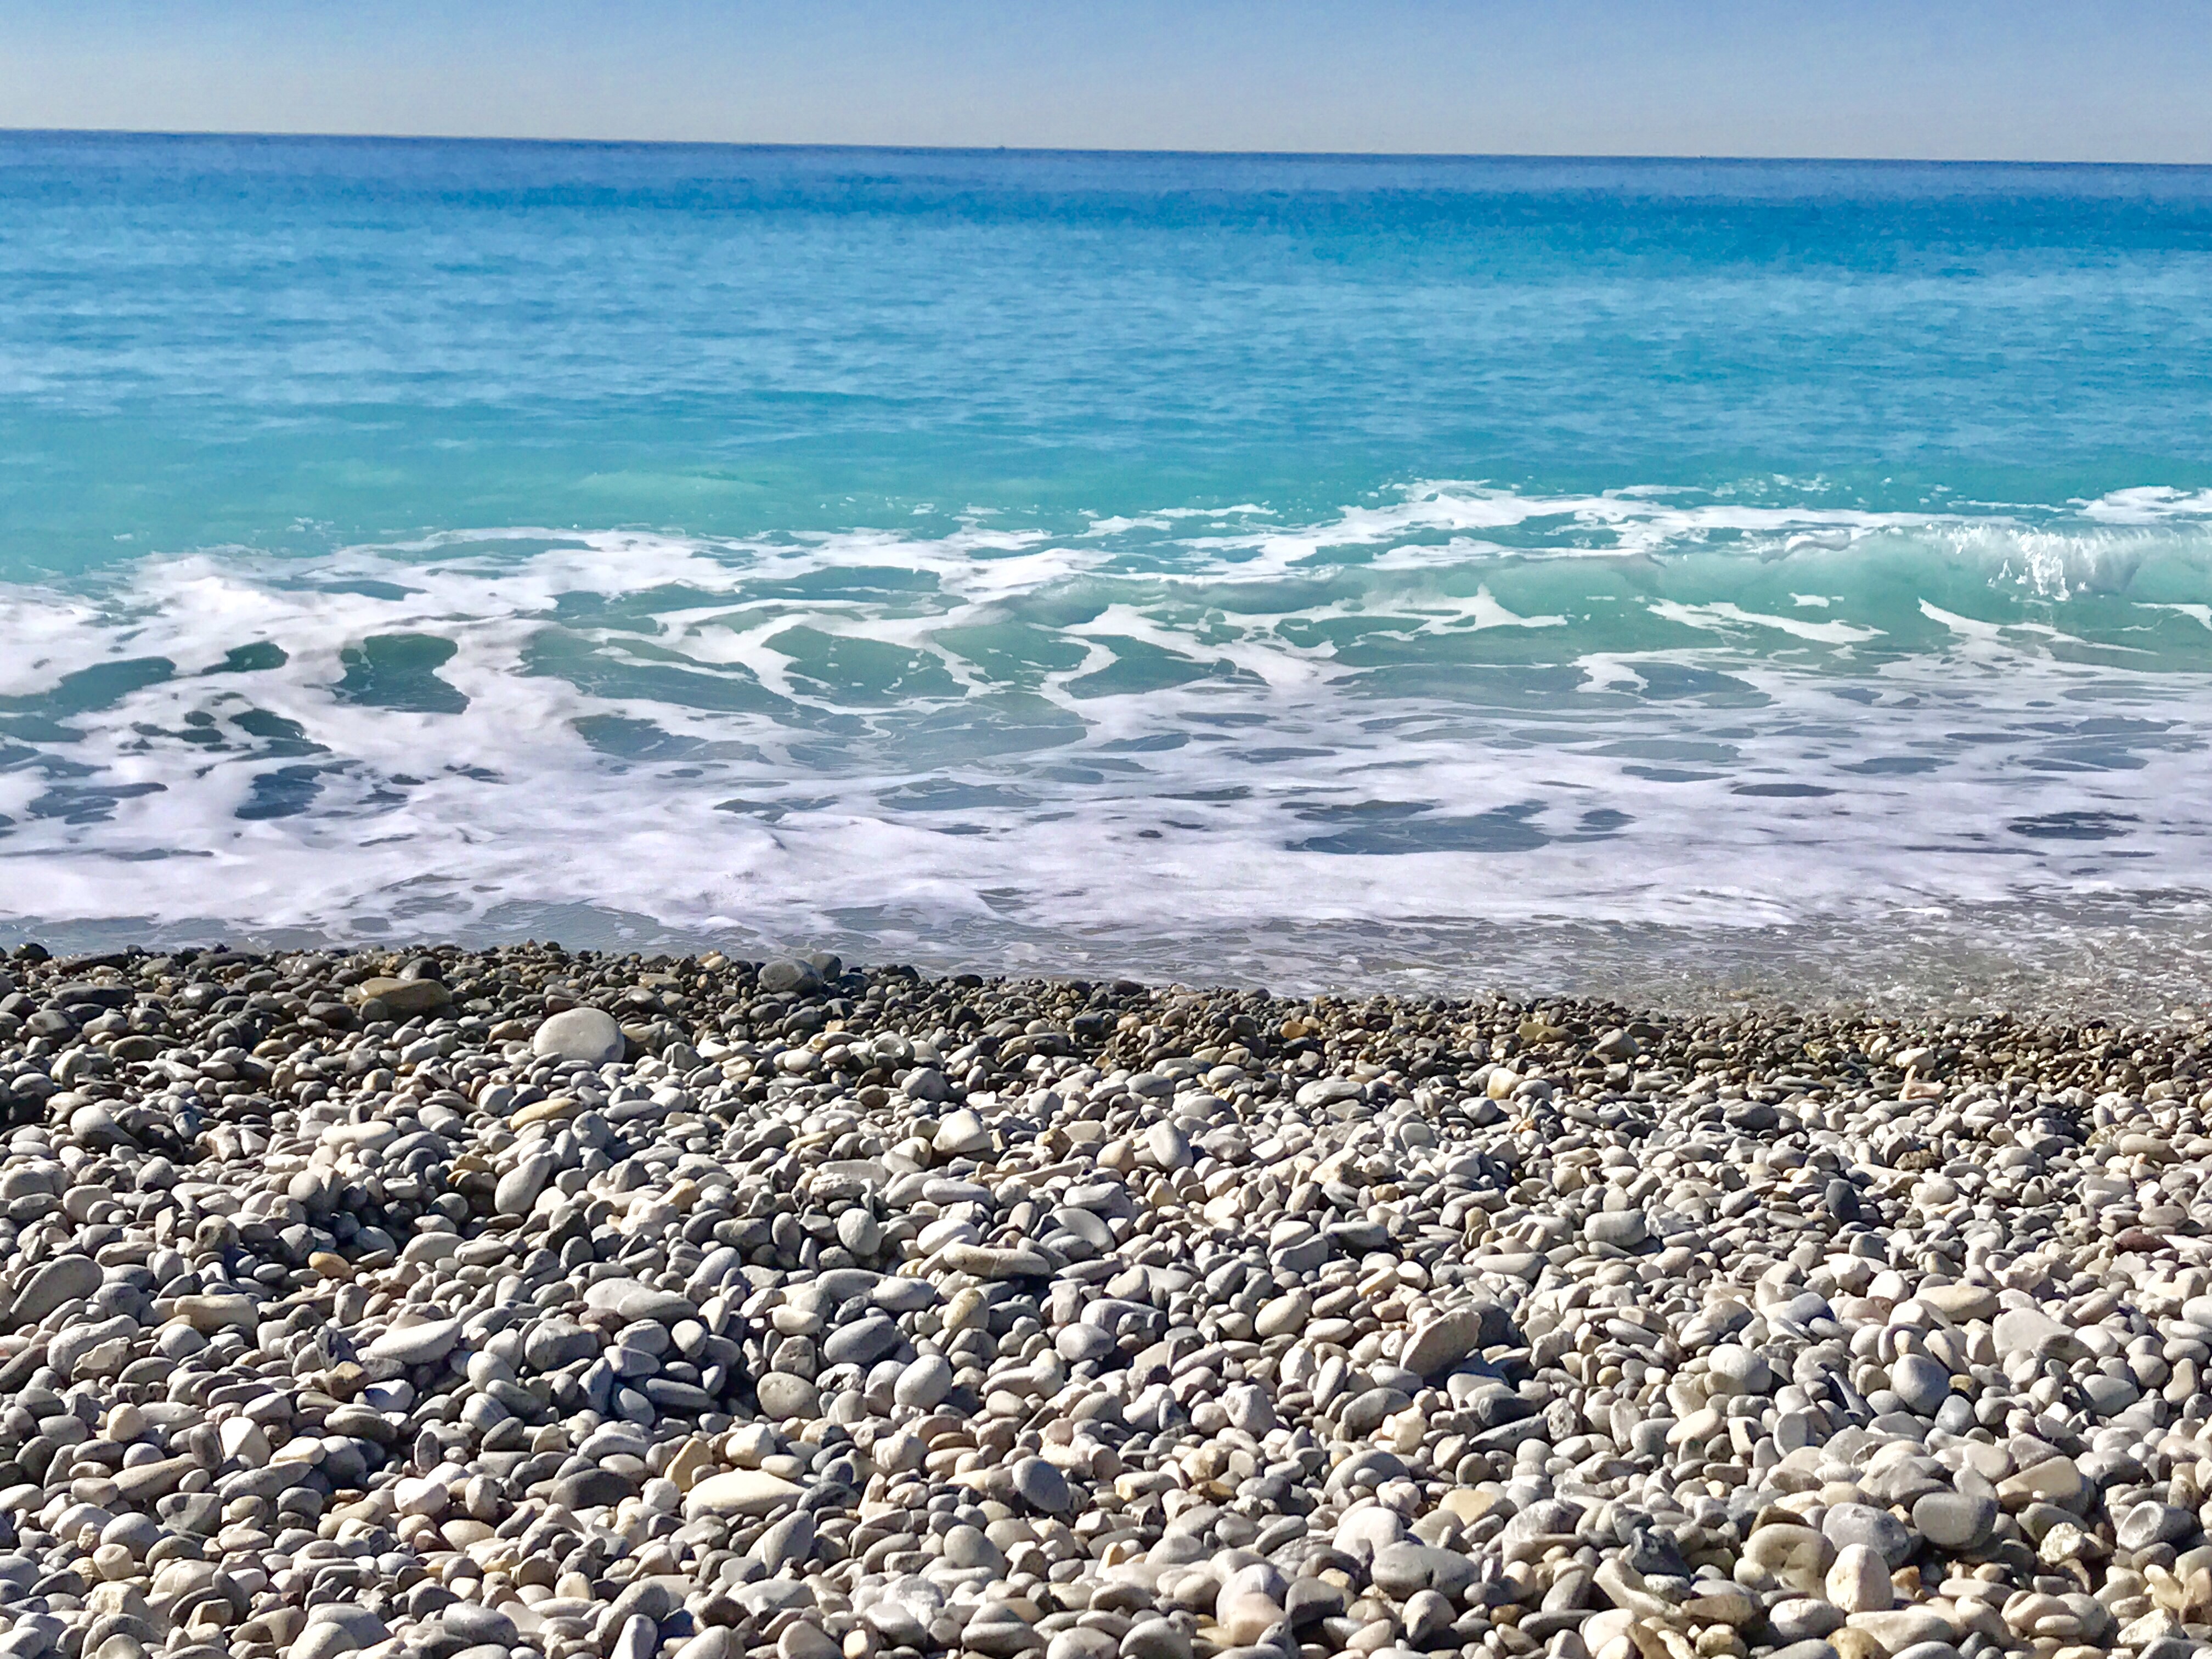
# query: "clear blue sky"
2013,79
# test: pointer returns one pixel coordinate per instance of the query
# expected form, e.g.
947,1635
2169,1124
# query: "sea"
1668,579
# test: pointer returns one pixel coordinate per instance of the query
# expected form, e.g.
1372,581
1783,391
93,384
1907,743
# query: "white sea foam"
1266,736
1720,613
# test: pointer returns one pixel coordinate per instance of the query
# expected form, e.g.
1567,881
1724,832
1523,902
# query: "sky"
2025,79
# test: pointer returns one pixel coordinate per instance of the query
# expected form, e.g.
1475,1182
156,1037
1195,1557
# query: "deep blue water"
1292,568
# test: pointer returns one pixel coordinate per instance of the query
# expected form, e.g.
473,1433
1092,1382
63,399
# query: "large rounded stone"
925,1381
519,1188
1922,1384
783,1395
475,1624
553,1343
1737,1369
1955,1521
1859,1581
1078,1343
584,1036
1042,1486
1156,1638
2151,1522
1622,1228
786,975
1286,1315
1847,1524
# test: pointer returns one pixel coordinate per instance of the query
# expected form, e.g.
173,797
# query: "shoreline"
519,1301
2121,959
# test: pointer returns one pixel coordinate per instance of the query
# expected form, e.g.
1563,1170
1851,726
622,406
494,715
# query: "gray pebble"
1042,1486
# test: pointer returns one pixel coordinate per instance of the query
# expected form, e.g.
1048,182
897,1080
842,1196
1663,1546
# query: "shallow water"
1636,577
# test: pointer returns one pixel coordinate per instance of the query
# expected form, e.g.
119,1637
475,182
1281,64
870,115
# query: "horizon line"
276,133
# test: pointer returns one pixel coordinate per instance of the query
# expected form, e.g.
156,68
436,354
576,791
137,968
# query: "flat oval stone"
988,1262
739,1491
862,1342
65,1278
403,996
593,1488
417,1345
634,1301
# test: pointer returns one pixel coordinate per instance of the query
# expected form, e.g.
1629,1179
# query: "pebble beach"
532,1304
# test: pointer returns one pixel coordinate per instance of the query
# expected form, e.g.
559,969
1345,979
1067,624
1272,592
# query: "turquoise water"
1259,568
